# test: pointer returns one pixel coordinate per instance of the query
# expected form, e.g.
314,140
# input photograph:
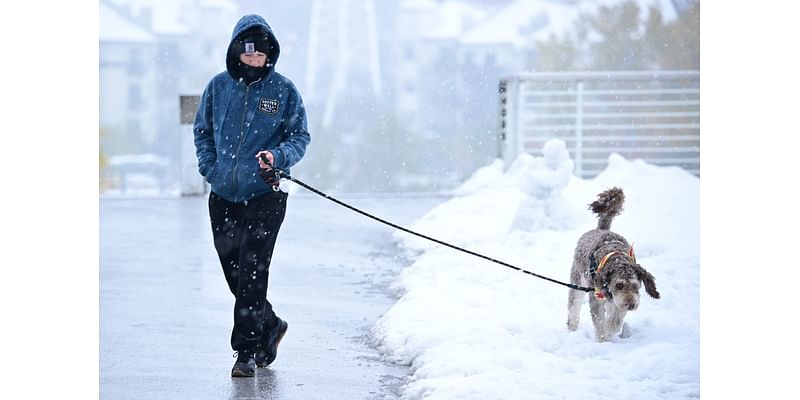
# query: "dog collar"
598,293
605,260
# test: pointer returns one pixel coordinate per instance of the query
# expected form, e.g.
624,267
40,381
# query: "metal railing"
651,115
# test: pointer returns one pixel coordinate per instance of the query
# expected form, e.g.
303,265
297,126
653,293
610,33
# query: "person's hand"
270,158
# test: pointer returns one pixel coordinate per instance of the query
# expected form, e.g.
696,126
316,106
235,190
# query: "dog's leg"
626,331
598,310
615,318
575,301
574,305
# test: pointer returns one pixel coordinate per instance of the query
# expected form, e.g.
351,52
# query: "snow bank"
472,329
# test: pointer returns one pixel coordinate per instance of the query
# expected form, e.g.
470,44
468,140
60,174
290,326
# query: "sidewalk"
166,313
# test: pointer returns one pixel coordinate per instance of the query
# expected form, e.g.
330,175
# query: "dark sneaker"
269,347
245,365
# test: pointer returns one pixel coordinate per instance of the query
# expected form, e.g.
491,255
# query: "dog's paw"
572,325
626,331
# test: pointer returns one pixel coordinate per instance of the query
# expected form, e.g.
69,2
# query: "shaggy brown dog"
605,261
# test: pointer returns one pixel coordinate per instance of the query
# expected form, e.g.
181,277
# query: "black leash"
273,176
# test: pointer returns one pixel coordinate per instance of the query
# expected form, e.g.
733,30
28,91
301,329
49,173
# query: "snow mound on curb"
472,329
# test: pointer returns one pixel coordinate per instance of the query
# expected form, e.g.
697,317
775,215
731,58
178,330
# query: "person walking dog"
246,112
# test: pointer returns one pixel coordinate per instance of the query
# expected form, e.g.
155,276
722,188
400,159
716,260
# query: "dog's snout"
630,305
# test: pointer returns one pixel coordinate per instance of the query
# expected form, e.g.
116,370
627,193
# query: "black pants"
244,236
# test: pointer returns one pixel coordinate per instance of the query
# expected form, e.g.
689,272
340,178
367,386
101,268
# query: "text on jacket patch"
268,106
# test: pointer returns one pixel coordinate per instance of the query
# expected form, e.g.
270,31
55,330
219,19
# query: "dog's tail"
607,206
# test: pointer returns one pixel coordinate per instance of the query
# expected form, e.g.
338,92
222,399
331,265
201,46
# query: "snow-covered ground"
471,329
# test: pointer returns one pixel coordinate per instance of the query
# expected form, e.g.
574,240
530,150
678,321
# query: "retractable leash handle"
271,176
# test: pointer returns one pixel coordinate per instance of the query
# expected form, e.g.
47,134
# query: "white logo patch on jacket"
268,106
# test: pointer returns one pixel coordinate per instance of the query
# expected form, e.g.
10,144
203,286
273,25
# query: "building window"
135,64
135,101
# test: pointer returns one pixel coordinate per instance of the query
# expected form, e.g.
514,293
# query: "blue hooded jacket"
235,121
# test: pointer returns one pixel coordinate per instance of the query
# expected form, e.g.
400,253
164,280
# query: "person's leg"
226,227
253,313
227,220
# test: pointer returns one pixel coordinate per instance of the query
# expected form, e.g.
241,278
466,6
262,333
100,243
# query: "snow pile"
472,329
491,201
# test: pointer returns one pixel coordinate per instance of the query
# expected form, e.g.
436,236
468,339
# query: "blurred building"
128,81
151,52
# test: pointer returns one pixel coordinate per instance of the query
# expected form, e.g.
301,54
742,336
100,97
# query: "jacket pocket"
210,175
216,177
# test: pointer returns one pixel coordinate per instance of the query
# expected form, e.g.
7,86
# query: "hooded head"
250,34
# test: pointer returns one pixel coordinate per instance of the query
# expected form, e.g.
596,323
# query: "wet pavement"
166,312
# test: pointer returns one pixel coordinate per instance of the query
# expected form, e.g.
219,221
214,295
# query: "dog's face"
624,292
623,280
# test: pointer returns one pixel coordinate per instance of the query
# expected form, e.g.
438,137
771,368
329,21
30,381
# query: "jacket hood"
246,24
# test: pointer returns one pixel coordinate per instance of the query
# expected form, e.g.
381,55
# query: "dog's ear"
649,282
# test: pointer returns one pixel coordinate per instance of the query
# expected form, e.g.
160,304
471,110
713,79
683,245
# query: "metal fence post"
502,114
512,143
579,130
519,139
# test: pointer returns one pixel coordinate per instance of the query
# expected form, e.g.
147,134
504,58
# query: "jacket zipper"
241,140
